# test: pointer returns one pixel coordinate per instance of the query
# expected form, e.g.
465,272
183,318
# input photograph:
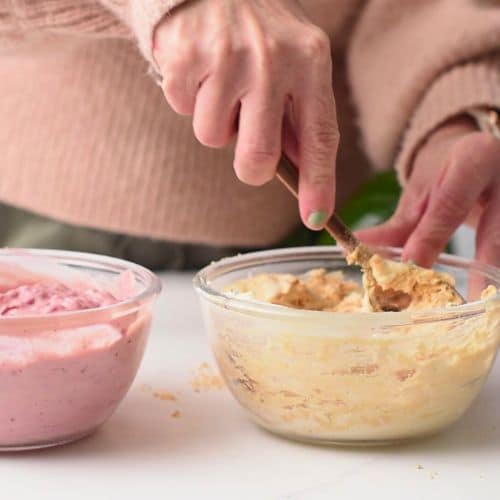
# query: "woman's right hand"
261,70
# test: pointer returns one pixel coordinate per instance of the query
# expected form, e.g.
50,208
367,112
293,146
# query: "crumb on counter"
207,379
164,396
158,394
175,414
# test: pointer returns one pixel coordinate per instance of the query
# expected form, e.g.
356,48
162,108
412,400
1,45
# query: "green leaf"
373,203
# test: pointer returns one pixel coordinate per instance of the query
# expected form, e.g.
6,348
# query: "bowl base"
46,444
348,443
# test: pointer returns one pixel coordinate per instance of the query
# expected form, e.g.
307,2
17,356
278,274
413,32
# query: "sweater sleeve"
142,16
413,65
106,18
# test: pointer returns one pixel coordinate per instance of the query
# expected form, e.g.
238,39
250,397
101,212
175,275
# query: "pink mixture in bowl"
73,329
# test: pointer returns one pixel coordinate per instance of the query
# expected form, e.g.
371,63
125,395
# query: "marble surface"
213,451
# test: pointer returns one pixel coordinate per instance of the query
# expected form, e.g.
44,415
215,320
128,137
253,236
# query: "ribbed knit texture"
400,48
135,167
81,16
87,138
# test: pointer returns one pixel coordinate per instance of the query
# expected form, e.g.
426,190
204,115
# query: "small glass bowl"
349,378
63,374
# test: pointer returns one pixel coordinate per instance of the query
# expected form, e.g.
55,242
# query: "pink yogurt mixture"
47,298
60,380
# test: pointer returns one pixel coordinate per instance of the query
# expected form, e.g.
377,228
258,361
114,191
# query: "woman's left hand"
455,178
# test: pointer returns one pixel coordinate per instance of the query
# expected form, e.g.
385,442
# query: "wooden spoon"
380,299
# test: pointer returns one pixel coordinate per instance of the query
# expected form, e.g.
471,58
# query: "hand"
455,178
261,70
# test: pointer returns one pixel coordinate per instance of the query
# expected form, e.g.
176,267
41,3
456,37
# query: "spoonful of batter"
389,285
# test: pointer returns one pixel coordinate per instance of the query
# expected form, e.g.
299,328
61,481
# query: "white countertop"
213,451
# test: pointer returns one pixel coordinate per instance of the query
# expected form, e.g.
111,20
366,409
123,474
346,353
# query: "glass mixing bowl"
349,378
63,374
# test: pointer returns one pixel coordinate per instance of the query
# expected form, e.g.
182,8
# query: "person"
93,158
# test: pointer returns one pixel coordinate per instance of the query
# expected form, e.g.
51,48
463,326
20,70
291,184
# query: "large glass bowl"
349,378
63,374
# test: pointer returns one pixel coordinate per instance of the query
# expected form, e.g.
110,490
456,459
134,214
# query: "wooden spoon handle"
288,174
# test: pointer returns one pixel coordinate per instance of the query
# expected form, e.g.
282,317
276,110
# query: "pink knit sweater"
87,138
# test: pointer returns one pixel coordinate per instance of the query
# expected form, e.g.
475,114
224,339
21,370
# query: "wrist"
475,119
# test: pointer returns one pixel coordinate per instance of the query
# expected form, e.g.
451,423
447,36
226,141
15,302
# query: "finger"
318,141
488,232
180,91
396,231
259,136
182,71
487,244
450,201
216,110
391,233
289,133
474,216
180,61
487,216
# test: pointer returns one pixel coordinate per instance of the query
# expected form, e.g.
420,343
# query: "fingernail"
317,220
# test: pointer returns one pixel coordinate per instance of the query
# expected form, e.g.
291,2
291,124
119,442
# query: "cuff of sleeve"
145,16
476,83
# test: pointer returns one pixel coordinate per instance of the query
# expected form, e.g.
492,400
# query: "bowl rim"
201,283
151,289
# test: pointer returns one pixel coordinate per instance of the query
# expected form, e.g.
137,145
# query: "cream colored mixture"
316,290
319,290
341,378
423,288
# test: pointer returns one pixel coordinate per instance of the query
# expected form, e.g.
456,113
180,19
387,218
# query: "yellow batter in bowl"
314,366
